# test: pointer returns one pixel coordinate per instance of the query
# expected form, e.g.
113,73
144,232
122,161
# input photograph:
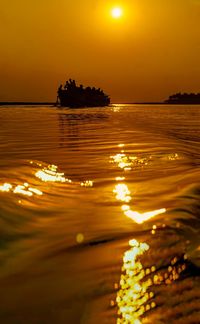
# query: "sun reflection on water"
87,183
133,297
123,161
122,191
127,162
135,291
116,107
46,174
50,174
6,187
24,189
123,194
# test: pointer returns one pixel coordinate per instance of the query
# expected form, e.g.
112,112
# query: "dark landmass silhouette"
184,98
78,96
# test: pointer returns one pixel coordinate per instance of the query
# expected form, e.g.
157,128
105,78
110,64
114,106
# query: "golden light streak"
173,157
120,178
122,193
46,175
116,108
36,191
132,295
140,218
126,162
6,187
20,189
50,174
122,161
87,183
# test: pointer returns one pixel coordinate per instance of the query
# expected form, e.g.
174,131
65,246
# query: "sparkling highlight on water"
132,297
50,174
21,189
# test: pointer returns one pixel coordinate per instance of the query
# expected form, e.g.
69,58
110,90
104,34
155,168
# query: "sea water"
100,215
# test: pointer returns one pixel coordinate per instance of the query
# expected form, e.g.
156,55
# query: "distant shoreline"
21,103
24,103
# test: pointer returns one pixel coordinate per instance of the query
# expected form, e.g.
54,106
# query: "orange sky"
153,51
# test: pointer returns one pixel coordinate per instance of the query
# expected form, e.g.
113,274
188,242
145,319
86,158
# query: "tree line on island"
184,98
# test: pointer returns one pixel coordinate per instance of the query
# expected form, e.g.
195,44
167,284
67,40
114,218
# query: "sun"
116,12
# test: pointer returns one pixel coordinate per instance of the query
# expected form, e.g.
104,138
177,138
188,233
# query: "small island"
74,96
184,98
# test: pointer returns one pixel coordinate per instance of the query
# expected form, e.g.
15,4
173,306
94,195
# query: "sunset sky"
149,52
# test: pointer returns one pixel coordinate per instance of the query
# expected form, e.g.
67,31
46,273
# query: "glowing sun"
116,12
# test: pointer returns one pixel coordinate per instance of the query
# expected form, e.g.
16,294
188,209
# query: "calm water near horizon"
100,215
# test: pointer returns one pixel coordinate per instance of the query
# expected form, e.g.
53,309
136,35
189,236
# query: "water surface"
99,214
